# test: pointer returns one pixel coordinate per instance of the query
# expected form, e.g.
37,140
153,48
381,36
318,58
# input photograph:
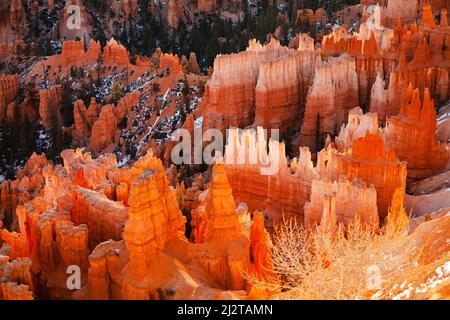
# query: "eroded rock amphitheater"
328,135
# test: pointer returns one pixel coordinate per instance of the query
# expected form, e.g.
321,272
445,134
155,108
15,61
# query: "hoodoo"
224,150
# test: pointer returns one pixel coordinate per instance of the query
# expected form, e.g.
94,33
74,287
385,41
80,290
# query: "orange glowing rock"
420,51
15,279
409,11
346,200
370,161
357,126
94,51
84,171
260,251
412,134
72,53
52,242
279,98
283,193
222,220
170,61
18,242
199,220
104,218
333,94
226,240
115,53
427,16
230,96
150,225
29,184
397,217
104,130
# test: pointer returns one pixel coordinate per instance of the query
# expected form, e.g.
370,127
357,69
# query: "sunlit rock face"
340,197
122,227
262,93
333,92
422,63
364,125
412,134
370,161
409,11
15,281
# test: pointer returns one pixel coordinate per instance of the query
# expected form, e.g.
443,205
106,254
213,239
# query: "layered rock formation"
29,184
370,161
325,113
358,125
254,94
157,250
150,225
412,134
123,221
223,227
281,192
346,200
72,52
260,250
104,129
15,279
84,119
49,108
371,50
104,218
409,11
53,243
228,90
422,63
9,89
115,53
104,132
281,90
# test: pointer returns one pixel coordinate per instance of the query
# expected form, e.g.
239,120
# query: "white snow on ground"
124,161
442,274
429,203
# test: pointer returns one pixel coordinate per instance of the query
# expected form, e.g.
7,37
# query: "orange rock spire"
412,134
370,161
427,16
222,220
